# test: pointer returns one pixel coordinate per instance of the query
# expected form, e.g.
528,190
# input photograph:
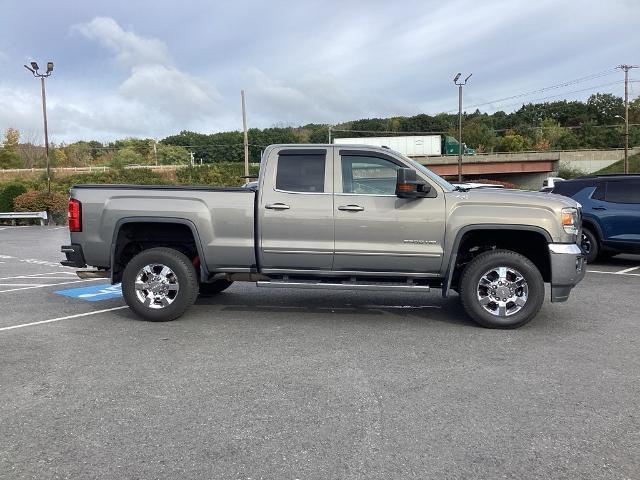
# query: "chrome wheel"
586,244
502,291
156,286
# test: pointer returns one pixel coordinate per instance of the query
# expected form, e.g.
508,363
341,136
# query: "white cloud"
155,98
129,48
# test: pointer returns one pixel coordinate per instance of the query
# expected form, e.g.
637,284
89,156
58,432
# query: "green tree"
476,134
11,137
9,159
606,107
126,156
172,155
511,142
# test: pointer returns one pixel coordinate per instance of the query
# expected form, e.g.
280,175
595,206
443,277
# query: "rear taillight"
75,215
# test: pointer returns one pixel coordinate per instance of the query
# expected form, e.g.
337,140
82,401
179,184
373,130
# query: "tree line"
560,125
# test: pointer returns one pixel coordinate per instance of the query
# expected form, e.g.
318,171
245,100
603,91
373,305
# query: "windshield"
439,180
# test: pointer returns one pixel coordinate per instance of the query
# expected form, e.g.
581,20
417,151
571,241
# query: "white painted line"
36,275
615,273
56,228
95,312
627,270
51,285
21,284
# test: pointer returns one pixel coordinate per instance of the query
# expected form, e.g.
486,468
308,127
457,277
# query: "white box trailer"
413,146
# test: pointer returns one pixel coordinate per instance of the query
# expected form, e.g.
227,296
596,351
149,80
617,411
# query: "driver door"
374,229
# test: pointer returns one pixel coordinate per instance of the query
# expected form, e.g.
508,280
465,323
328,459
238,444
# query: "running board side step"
397,287
88,274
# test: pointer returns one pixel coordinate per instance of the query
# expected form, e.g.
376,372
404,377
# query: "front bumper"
567,269
75,256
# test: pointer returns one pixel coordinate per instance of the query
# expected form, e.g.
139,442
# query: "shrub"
567,172
218,174
55,204
138,176
8,193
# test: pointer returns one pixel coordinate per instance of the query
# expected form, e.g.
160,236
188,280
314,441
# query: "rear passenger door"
295,210
619,210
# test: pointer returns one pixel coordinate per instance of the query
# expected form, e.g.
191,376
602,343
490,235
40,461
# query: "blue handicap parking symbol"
94,293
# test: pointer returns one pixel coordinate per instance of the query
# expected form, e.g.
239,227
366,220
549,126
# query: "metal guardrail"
13,216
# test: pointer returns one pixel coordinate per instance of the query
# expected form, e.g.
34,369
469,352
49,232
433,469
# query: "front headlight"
571,220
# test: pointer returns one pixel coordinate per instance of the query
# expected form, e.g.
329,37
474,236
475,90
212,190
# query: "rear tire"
590,245
159,284
501,289
212,288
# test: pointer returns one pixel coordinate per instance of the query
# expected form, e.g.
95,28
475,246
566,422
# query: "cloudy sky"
153,68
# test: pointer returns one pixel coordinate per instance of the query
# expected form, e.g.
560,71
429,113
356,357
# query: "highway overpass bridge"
526,169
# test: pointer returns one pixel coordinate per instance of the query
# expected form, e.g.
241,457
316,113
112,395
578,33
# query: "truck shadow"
340,303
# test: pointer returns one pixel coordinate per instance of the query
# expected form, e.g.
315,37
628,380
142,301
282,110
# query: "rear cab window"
301,172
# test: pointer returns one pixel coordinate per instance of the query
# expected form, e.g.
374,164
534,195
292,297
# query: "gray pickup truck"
330,217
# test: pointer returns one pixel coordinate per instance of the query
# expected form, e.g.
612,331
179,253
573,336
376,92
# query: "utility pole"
330,127
34,70
155,151
626,69
460,150
246,136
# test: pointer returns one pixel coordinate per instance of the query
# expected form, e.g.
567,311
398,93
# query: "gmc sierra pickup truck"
330,217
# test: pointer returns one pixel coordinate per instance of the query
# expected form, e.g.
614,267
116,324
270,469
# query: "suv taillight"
75,215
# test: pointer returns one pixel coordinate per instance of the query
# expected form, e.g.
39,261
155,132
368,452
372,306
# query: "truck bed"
226,236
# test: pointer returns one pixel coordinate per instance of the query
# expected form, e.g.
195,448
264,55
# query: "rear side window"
624,191
569,188
301,173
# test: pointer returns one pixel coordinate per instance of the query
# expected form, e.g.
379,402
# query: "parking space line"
615,273
627,270
21,284
68,317
36,275
51,285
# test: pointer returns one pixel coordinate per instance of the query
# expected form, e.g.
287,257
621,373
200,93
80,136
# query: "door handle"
277,206
351,208
599,208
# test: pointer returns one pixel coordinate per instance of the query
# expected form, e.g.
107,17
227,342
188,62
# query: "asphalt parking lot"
258,383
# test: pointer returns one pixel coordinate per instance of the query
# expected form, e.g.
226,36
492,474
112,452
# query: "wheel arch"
484,230
176,225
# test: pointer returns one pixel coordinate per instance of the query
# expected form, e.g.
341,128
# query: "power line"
535,100
586,78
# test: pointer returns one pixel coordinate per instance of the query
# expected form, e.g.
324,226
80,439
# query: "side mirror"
408,185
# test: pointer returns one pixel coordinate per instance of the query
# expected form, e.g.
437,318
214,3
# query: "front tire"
590,245
159,284
501,289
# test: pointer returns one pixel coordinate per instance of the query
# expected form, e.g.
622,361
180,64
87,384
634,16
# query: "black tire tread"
468,303
188,287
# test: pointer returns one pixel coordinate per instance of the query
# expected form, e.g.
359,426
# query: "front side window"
301,173
623,191
368,175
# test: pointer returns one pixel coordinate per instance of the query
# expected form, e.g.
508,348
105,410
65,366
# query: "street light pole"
626,69
460,151
34,70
